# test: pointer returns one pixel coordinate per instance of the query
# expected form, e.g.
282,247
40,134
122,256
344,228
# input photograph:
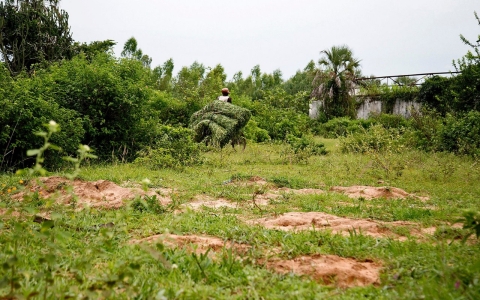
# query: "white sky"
390,37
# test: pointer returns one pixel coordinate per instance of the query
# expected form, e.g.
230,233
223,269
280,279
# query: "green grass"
80,259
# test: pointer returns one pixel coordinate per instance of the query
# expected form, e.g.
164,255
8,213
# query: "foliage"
435,92
471,221
254,133
376,138
33,32
219,122
131,51
91,49
343,126
148,204
334,81
461,134
169,147
23,113
301,81
168,110
109,95
302,148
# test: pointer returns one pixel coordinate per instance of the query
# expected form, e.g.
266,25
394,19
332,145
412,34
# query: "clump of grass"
148,204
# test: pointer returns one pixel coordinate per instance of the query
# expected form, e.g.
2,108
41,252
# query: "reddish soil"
326,269
101,193
295,221
260,199
202,200
370,192
194,243
330,269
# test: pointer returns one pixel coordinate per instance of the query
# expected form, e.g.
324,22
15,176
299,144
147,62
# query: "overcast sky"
390,37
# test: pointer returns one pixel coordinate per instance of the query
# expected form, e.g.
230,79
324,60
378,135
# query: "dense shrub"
254,133
461,134
387,121
171,147
22,114
300,149
109,95
163,107
337,127
435,93
377,138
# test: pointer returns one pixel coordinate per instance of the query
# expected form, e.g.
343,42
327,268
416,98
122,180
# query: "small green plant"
148,204
52,127
471,221
300,149
84,152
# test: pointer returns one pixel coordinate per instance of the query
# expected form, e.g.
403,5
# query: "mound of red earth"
330,270
326,269
370,192
101,193
296,221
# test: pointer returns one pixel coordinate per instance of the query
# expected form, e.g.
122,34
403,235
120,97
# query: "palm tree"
334,81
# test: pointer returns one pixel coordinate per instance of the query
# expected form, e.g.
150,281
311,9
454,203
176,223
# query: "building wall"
368,107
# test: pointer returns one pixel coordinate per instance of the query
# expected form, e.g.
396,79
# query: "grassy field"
88,253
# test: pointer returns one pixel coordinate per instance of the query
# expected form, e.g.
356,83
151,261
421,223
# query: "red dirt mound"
194,243
305,221
331,269
327,269
295,221
101,193
370,192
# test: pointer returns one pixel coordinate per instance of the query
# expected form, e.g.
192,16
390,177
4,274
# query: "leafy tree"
163,75
131,50
33,32
334,81
89,50
301,81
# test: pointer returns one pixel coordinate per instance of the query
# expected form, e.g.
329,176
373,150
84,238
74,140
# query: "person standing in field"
225,97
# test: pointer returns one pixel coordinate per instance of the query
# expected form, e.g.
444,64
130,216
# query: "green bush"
23,113
148,204
342,126
280,122
300,149
377,138
461,134
254,133
110,96
389,121
171,147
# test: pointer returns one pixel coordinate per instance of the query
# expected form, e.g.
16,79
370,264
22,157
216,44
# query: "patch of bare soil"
330,269
207,201
370,192
326,269
262,199
9,212
296,221
101,193
317,220
194,243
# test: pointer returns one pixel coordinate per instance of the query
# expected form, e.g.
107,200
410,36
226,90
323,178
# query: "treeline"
124,108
